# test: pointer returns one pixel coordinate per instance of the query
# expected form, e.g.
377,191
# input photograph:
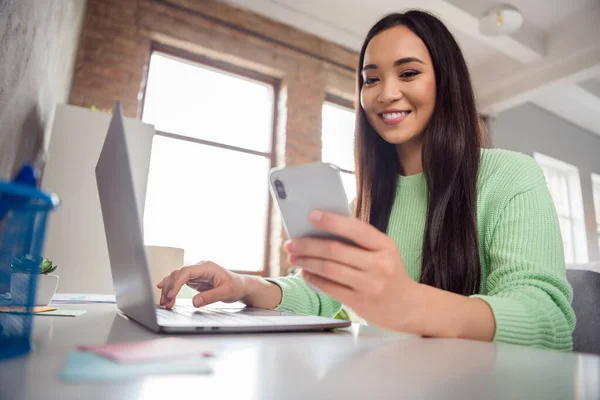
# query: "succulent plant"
32,264
343,315
47,266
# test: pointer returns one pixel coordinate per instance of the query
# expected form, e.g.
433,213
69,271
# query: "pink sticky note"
148,350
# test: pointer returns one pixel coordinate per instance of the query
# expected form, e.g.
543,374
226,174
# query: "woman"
473,247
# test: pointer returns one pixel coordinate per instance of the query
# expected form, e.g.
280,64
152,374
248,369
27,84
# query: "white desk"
358,362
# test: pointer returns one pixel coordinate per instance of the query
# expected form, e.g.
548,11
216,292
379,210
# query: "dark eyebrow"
396,63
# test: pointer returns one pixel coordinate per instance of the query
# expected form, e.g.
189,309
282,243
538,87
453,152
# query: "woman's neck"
409,155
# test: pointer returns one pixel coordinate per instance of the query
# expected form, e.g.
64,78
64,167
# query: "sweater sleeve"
299,298
526,286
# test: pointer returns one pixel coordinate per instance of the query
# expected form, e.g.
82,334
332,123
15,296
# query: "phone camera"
280,189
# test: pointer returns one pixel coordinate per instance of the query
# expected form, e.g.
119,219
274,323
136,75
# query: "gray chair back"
586,304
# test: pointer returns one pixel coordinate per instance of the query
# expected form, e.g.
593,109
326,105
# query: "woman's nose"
390,92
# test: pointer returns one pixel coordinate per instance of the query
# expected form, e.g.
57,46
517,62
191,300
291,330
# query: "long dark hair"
451,151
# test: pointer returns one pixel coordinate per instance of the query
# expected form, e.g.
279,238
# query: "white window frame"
240,73
343,104
575,213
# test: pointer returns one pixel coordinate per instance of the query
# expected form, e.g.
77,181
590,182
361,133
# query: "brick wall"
116,44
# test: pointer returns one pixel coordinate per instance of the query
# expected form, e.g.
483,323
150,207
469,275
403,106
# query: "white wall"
530,129
38,44
75,238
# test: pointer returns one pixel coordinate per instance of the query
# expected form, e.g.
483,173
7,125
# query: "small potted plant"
46,283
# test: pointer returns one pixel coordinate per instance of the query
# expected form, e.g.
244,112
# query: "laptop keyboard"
211,316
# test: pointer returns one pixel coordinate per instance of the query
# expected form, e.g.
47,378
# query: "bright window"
338,141
565,188
596,186
207,186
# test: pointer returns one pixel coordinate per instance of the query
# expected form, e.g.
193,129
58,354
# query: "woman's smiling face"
398,92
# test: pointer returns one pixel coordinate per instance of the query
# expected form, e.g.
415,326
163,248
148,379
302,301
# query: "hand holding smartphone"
300,189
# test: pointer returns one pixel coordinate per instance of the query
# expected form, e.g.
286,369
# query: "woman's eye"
370,81
409,74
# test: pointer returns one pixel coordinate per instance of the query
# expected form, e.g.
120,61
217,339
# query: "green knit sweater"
522,262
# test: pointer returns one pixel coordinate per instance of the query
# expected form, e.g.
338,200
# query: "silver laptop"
129,266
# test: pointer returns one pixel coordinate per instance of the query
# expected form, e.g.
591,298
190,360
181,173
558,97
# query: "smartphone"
299,189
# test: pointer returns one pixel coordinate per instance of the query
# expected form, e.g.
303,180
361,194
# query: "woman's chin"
397,137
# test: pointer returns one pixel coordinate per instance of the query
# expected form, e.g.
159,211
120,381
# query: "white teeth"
394,115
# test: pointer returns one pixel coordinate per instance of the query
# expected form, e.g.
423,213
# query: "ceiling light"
501,19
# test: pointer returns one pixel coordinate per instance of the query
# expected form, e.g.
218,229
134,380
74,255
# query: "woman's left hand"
370,277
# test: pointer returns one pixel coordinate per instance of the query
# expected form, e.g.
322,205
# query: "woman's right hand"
214,283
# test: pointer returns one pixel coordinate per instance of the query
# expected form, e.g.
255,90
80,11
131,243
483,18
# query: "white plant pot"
46,287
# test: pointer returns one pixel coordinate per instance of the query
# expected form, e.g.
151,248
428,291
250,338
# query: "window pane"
197,101
564,195
349,181
597,201
596,190
338,136
565,187
559,189
210,201
566,231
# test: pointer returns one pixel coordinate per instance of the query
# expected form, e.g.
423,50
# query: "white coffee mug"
162,261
